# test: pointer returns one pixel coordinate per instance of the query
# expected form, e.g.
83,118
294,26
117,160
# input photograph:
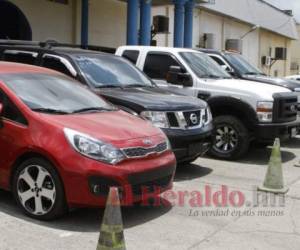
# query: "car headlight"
264,111
208,116
158,119
93,148
169,146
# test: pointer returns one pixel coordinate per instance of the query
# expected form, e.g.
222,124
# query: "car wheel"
38,190
230,138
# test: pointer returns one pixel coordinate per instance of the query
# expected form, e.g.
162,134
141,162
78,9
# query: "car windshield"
55,94
242,65
203,66
111,71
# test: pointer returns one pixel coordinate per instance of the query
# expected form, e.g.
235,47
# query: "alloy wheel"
36,190
226,139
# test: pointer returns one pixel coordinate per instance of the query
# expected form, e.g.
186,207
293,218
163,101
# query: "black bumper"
283,131
188,145
160,178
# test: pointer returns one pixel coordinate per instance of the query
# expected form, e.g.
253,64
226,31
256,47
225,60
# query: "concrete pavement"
180,226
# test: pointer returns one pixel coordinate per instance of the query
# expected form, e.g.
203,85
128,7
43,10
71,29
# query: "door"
157,66
13,129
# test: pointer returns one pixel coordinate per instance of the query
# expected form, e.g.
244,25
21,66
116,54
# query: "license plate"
294,132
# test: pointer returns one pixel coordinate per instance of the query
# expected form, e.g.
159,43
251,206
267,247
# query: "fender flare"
236,106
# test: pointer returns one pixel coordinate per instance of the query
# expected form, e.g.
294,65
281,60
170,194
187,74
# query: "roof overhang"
168,2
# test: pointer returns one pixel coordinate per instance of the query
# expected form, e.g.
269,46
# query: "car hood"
113,126
287,83
155,99
237,87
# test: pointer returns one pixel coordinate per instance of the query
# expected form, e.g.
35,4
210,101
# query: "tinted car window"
19,57
131,55
55,64
10,111
53,93
158,65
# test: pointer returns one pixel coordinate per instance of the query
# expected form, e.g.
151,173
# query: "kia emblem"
147,142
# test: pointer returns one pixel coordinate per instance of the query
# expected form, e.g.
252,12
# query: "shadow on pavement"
191,171
261,156
292,143
86,219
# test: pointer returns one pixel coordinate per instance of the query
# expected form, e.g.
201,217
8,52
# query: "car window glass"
55,64
242,65
19,57
157,65
203,66
10,111
218,60
131,55
110,71
53,92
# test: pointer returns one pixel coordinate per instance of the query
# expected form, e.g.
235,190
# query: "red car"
62,146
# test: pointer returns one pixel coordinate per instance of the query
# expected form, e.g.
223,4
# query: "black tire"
59,205
241,138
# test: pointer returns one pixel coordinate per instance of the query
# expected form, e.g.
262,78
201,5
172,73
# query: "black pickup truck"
186,121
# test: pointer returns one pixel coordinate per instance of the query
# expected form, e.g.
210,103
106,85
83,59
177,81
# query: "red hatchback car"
62,146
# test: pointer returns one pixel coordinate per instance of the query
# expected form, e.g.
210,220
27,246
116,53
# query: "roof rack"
53,43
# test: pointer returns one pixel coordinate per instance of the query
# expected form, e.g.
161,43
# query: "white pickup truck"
243,111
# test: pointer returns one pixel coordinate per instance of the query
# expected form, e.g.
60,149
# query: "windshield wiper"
50,111
211,76
109,86
252,73
136,86
99,109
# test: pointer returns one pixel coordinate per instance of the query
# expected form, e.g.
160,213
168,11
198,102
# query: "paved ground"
180,226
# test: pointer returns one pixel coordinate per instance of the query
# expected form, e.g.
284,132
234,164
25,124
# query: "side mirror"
177,76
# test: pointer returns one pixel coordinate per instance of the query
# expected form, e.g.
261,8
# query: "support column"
188,24
84,23
132,22
145,22
179,23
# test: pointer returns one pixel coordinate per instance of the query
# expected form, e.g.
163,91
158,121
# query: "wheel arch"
26,156
235,107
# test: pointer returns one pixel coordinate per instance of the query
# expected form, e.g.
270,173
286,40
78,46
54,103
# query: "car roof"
218,52
14,68
52,50
163,49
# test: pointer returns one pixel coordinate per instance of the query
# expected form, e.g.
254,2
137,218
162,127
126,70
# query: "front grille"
187,119
151,186
173,122
285,108
142,152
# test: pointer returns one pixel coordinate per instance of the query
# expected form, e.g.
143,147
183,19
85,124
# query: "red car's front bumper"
87,181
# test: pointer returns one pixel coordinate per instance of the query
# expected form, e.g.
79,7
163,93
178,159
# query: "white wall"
107,24
255,45
49,20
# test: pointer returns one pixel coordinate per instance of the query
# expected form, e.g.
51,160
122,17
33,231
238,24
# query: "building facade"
111,23
260,26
